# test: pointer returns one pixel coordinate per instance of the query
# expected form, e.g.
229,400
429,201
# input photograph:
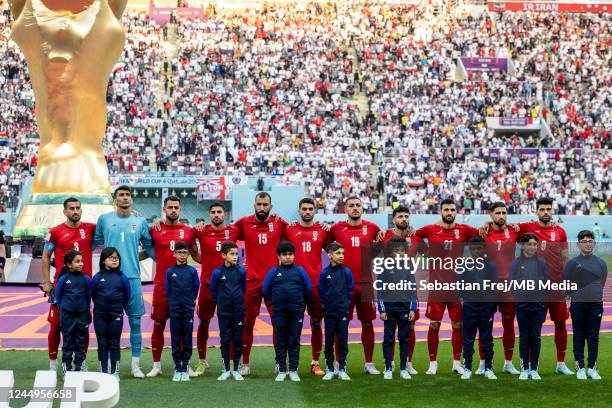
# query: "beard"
216,222
448,220
401,227
262,215
545,219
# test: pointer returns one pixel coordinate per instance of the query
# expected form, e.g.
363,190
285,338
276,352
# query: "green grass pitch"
260,390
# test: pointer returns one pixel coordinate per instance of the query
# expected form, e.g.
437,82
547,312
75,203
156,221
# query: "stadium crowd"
323,94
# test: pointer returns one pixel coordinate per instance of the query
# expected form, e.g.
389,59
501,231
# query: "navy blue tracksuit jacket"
73,296
478,313
336,285
589,273
111,292
182,284
287,287
397,304
530,308
227,286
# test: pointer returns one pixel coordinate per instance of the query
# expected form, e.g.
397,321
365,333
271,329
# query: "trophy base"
44,211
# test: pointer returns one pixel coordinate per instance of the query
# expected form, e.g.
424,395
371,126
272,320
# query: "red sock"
247,339
411,343
316,340
202,338
367,338
480,352
457,340
433,338
53,341
560,340
157,339
508,338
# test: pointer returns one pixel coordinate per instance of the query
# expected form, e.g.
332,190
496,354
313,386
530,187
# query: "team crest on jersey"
315,235
507,233
134,226
457,233
271,226
364,230
82,233
182,234
552,236
226,234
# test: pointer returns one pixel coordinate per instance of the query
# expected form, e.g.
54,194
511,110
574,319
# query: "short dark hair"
122,187
396,243
227,245
334,246
171,198
476,241
528,237
351,197
447,201
544,201
285,247
586,234
71,200
263,194
306,200
216,204
180,245
496,204
401,209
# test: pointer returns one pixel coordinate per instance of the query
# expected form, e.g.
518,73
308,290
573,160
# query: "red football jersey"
309,243
65,238
260,242
163,245
355,239
445,243
501,249
553,241
210,240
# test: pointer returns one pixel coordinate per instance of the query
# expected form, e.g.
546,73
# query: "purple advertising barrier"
485,64
515,121
161,15
529,151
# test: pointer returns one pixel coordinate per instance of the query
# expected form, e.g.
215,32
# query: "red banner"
549,7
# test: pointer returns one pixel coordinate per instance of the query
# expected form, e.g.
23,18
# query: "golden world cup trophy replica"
70,47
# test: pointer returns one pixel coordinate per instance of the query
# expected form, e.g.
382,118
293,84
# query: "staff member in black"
589,272
530,307
111,293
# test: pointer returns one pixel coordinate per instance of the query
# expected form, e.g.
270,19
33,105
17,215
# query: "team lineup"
283,268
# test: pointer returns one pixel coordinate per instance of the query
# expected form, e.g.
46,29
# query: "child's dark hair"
476,241
180,245
585,234
68,258
396,244
227,245
334,246
106,253
526,238
285,247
